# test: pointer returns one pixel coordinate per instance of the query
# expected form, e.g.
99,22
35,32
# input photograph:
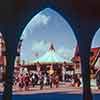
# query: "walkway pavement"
63,88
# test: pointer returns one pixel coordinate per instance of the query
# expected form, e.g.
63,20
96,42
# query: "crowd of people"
25,79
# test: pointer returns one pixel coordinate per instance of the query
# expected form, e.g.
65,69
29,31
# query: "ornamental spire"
51,47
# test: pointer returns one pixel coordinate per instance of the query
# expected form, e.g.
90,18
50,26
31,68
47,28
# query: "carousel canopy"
50,57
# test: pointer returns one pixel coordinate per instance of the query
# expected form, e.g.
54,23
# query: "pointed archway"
48,26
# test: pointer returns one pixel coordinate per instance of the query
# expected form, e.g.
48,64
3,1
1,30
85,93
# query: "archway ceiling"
81,13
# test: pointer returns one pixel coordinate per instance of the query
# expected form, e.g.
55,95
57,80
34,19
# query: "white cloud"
66,53
39,19
40,46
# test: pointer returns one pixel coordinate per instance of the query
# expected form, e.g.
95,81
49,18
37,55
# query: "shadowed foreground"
51,96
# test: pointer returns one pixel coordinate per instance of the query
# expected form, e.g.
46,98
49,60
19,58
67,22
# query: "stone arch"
55,10
86,16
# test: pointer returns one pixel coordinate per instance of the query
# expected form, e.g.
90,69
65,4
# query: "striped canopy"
50,57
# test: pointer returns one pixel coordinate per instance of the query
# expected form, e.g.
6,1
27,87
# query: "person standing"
56,79
41,80
50,73
76,81
63,73
26,80
21,81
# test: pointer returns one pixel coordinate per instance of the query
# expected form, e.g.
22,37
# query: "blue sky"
96,39
44,28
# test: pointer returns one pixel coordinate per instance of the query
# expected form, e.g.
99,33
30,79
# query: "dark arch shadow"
70,23
32,13
92,24
19,30
52,8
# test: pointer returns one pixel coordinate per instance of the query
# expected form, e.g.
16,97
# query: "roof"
94,54
50,57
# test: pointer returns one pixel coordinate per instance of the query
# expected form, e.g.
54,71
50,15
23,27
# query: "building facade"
94,58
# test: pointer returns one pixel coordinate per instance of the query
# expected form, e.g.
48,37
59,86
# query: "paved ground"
65,91
63,88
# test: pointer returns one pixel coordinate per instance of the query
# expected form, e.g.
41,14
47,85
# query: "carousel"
51,59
